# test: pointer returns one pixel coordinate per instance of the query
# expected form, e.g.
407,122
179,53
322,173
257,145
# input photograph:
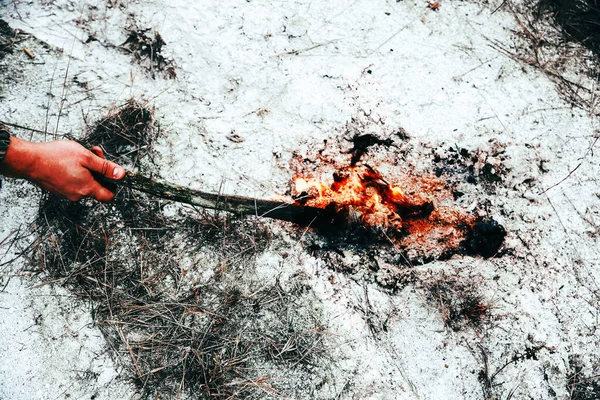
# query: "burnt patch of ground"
361,144
485,238
484,167
427,204
387,256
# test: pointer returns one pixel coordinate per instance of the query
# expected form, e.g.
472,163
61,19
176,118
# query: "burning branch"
364,198
299,214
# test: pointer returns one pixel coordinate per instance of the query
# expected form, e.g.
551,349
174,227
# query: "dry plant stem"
302,215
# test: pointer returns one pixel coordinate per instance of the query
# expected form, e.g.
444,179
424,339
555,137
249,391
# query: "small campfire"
417,215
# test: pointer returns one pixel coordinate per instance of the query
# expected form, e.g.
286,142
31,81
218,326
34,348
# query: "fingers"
96,163
97,150
102,194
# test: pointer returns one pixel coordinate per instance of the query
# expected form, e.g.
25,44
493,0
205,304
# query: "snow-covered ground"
258,82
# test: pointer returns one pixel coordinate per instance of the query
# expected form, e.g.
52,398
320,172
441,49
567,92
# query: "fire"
419,217
363,191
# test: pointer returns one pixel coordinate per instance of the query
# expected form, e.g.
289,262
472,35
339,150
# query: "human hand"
64,167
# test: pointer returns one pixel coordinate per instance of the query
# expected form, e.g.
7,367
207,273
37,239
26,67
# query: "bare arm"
64,167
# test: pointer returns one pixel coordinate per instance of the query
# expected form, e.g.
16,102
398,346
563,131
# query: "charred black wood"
415,211
485,238
361,144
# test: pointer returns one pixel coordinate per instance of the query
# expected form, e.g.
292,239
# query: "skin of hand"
64,167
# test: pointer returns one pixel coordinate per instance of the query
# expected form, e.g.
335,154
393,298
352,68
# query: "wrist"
19,159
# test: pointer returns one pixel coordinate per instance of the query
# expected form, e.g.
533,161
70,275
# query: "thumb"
104,167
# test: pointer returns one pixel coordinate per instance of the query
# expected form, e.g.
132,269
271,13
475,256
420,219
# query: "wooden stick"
240,205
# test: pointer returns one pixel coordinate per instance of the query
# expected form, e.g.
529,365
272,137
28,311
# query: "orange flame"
363,190
421,217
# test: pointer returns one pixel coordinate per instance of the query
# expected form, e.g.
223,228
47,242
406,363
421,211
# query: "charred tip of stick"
333,219
339,220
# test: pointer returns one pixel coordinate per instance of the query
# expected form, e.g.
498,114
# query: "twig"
297,52
571,172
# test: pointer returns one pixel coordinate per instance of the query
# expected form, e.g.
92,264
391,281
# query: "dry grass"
126,134
579,20
558,37
147,49
580,386
174,297
457,299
